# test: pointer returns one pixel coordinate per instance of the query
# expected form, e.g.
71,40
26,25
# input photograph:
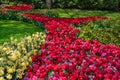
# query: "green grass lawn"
15,29
80,13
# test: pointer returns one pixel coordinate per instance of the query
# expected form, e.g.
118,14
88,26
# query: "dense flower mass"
15,56
21,7
45,19
65,57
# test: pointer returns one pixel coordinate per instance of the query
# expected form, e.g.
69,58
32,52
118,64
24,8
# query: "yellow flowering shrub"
15,56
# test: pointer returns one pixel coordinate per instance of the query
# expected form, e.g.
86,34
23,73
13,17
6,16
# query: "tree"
117,5
48,4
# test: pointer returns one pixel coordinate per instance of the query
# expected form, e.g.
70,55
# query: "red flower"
72,58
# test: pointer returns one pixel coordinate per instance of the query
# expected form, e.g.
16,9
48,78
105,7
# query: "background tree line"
113,5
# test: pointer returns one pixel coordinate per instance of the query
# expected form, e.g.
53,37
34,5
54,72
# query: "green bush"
107,32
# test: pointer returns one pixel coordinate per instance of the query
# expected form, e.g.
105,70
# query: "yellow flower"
43,41
23,64
13,42
10,70
25,58
27,63
30,59
13,57
2,78
1,71
24,68
5,49
1,59
10,63
9,76
19,70
24,50
17,53
19,76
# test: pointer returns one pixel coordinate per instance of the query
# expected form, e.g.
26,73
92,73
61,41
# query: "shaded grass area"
79,13
15,29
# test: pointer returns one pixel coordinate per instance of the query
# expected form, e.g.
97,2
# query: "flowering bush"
20,7
65,57
16,56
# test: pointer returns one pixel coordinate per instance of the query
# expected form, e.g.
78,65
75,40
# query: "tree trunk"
48,4
117,5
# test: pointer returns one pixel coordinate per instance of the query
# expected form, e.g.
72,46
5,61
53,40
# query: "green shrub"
107,32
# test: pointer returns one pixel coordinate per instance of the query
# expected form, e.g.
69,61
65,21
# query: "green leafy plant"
39,24
106,31
10,15
51,14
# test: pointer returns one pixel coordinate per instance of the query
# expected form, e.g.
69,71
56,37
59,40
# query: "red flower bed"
21,7
45,19
65,57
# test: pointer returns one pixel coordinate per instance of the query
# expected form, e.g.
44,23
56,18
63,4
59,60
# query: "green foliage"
51,14
38,3
109,4
78,13
10,15
38,24
24,19
14,15
98,4
4,1
88,4
104,31
80,4
65,3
